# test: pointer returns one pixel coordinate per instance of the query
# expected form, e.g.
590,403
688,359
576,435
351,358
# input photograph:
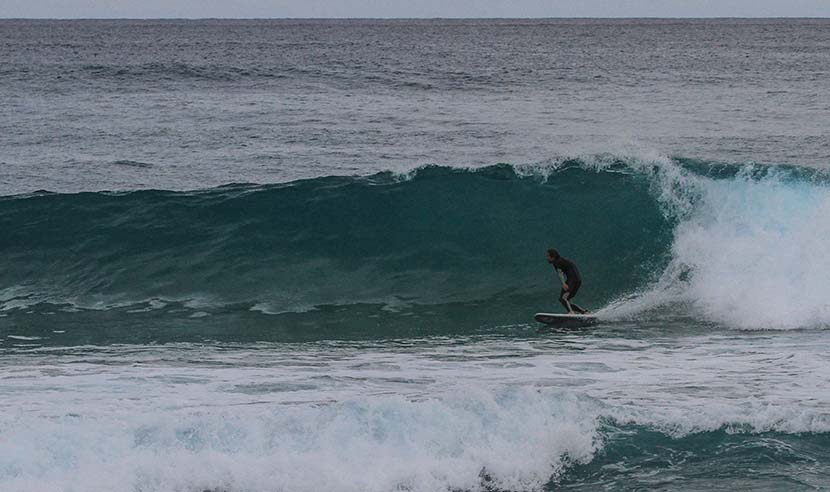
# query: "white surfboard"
566,320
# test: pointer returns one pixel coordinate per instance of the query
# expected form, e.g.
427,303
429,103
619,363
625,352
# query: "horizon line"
415,18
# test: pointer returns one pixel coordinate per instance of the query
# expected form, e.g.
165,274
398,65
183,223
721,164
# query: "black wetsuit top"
572,277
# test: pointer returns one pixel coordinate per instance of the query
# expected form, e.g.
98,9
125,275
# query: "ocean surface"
305,255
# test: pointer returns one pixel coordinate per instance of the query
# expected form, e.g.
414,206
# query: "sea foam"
751,250
511,440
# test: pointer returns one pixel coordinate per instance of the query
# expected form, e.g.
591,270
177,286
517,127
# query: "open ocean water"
254,256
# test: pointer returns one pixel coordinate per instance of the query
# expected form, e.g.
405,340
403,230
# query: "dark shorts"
572,290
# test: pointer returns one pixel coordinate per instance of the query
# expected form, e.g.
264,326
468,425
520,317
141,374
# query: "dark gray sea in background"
103,105
304,255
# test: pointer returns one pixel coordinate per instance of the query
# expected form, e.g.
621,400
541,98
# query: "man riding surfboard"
571,280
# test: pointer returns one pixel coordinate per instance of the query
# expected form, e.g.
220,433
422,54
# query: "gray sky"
411,8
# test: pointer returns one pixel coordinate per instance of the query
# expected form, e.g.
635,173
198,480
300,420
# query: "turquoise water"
437,239
249,256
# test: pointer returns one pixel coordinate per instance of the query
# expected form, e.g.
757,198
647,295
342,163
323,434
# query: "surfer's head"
552,255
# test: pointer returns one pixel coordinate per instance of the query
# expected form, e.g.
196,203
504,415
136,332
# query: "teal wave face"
440,236
637,458
439,250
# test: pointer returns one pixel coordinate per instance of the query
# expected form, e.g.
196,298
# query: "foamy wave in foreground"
443,414
513,440
508,440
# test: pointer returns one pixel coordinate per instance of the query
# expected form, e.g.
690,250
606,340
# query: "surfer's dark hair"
553,253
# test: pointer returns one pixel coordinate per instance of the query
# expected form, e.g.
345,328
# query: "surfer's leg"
578,308
563,298
571,294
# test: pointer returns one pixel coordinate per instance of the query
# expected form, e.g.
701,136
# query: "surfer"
571,282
